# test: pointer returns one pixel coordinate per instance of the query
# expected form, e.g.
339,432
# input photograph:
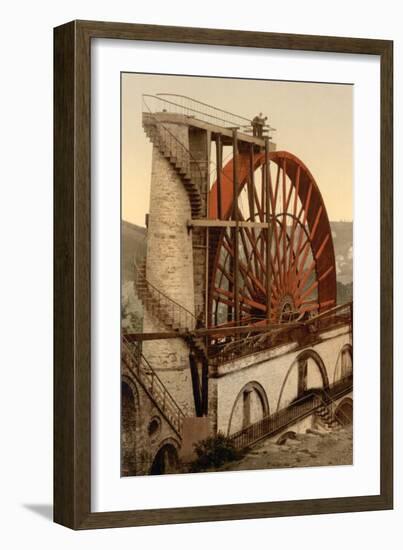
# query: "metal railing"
273,423
338,315
180,157
225,350
164,308
337,390
299,409
190,107
148,378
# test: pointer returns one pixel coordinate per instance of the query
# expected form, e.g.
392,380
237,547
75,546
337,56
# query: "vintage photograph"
236,274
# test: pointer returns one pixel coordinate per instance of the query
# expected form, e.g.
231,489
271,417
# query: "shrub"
213,452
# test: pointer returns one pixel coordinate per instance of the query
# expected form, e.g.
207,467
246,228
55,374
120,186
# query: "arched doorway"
312,372
306,374
344,412
128,430
344,364
250,406
166,460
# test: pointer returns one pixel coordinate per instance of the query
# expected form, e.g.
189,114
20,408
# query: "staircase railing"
184,158
336,391
150,381
297,410
275,422
163,306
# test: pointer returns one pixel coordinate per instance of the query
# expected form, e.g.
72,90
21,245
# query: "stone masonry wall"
270,369
140,444
170,269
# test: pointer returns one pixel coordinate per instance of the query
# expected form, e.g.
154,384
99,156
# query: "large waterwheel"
285,252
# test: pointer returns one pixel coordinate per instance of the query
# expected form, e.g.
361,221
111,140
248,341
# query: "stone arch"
344,411
166,459
299,368
250,405
129,426
346,362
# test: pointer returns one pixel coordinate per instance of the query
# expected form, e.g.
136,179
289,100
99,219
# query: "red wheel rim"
303,271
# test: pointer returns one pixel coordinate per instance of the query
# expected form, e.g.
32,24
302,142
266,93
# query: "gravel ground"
309,449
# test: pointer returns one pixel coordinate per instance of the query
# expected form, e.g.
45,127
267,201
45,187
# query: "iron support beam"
269,231
219,174
217,332
227,223
212,332
251,203
235,230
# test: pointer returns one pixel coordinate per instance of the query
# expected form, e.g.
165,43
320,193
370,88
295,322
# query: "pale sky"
313,121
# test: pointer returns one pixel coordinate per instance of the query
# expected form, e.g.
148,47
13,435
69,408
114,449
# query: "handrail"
185,110
128,343
221,352
163,398
178,141
169,302
339,388
192,161
329,312
270,424
203,104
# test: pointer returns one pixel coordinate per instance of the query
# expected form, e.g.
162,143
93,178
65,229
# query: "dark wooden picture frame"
72,270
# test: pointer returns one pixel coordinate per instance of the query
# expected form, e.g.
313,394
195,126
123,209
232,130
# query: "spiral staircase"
179,157
172,315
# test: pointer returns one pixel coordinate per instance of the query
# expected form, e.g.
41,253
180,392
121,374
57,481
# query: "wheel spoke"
260,257
309,291
311,237
300,265
244,300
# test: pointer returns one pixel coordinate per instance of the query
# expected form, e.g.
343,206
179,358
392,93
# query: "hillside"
342,233
134,242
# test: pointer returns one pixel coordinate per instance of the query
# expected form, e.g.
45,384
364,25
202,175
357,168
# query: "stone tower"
170,265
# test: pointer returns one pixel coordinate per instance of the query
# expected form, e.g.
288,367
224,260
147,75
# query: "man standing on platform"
258,124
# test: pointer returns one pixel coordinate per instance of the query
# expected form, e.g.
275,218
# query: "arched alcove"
306,374
129,416
166,460
344,363
250,406
344,412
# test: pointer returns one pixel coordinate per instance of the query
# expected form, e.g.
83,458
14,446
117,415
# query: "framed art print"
223,275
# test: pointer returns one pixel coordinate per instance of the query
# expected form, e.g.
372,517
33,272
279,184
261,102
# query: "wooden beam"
212,332
224,331
227,223
235,230
219,174
269,232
